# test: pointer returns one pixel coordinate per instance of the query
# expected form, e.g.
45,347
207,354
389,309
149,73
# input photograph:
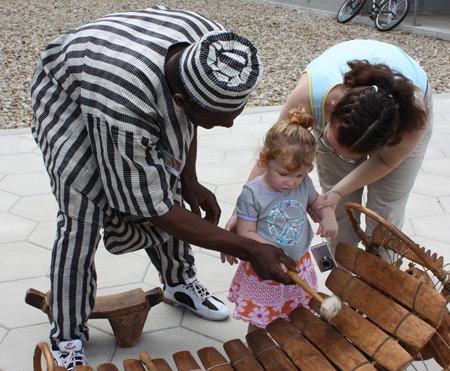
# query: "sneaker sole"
178,304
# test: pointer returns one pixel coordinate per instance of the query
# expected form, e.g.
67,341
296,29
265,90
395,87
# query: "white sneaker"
70,354
195,297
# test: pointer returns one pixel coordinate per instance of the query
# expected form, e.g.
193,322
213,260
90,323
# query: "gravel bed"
287,40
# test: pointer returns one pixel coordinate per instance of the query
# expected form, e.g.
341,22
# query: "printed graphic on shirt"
172,163
286,221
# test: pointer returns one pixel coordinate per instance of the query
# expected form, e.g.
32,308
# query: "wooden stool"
126,312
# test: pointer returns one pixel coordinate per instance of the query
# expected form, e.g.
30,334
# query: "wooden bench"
126,312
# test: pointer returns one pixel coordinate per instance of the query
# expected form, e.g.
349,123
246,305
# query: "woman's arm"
380,164
375,168
299,97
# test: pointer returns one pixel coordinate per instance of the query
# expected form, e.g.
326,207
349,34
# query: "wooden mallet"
329,307
147,361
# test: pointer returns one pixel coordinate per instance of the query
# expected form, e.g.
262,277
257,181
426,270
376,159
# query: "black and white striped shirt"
102,107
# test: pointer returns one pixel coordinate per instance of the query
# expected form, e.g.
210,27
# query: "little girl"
272,209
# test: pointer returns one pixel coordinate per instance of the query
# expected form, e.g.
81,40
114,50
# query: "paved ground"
27,227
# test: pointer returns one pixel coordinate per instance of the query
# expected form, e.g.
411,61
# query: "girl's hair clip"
376,91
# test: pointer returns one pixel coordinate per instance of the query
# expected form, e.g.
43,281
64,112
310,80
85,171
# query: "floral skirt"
262,301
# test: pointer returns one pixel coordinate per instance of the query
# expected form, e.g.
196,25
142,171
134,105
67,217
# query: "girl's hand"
229,258
328,228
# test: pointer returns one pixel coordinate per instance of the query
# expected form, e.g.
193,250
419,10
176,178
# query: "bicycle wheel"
349,9
391,14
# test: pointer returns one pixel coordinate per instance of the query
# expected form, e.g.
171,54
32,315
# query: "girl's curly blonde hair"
291,141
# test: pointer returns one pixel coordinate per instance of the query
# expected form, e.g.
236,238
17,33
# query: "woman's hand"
332,199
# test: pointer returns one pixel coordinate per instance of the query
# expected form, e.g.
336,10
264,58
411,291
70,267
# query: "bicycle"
387,14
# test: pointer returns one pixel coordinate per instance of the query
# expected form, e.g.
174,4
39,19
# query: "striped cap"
220,70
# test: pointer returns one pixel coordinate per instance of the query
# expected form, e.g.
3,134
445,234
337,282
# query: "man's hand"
269,263
199,197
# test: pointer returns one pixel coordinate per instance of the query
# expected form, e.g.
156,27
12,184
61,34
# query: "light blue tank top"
327,71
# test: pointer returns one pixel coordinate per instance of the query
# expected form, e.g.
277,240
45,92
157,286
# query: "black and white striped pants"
73,275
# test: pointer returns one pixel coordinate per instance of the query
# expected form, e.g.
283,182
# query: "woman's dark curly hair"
378,108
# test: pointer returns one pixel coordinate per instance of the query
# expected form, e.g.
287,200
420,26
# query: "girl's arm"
328,226
246,228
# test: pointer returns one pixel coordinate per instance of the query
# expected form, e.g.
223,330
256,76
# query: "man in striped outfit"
116,105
